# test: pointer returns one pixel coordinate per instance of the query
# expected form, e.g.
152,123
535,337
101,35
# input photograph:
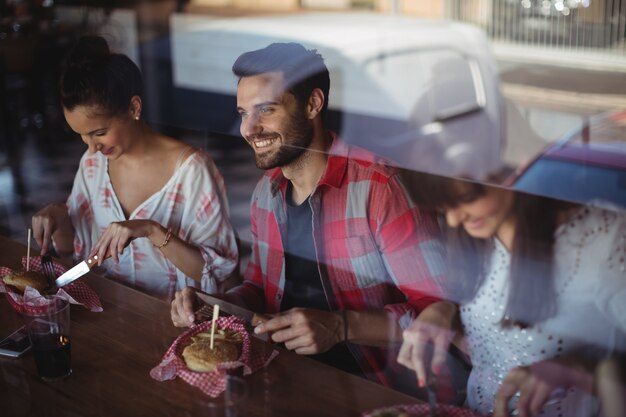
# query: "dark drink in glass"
53,355
47,319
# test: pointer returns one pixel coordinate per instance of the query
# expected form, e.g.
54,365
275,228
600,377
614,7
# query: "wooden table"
114,351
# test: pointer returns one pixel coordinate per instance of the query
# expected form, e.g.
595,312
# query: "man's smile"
264,142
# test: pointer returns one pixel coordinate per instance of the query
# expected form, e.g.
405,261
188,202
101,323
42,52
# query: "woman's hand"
50,220
119,234
610,377
427,340
541,383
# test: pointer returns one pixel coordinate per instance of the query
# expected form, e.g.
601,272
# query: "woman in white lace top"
541,292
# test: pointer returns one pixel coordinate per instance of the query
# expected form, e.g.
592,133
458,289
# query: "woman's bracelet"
168,235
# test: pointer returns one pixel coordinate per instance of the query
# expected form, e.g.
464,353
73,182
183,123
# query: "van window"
442,84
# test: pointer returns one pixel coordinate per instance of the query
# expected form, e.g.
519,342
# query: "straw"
216,312
28,251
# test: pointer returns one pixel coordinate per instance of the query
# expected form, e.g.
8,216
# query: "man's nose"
250,126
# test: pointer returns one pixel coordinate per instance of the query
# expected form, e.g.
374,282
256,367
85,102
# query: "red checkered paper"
420,410
76,293
211,383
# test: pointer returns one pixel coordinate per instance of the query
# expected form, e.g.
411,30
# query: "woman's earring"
136,117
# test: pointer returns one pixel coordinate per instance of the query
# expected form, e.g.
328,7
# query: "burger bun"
199,356
21,279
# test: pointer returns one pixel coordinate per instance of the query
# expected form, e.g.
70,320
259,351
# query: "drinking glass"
47,319
230,403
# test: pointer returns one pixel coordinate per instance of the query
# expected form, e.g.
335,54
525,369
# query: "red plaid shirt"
375,249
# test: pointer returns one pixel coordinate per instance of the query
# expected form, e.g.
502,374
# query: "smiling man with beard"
341,258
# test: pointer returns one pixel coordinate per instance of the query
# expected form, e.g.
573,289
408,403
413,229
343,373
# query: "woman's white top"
192,204
590,279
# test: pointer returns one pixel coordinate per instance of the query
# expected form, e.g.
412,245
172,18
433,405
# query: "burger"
199,356
22,279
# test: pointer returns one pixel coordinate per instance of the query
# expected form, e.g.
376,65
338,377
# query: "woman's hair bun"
95,76
89,53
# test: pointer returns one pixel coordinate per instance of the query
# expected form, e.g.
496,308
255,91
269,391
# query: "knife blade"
226,307
431,391
76,271
251,318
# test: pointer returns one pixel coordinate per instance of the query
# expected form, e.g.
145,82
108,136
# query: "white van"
422,93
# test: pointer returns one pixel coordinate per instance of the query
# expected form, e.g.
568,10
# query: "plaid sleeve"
411,246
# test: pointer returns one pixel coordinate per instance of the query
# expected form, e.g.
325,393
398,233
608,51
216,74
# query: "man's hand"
305,331
183,305
427,340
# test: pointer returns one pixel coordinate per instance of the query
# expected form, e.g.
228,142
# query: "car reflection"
586,166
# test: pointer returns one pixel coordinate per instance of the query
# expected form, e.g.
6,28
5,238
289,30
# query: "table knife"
251,318
76,271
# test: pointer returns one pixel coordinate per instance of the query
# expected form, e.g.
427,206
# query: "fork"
48,270
205,312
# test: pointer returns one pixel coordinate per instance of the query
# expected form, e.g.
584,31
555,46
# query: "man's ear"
135,107
316,103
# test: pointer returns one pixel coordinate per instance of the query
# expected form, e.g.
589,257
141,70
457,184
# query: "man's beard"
298,137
